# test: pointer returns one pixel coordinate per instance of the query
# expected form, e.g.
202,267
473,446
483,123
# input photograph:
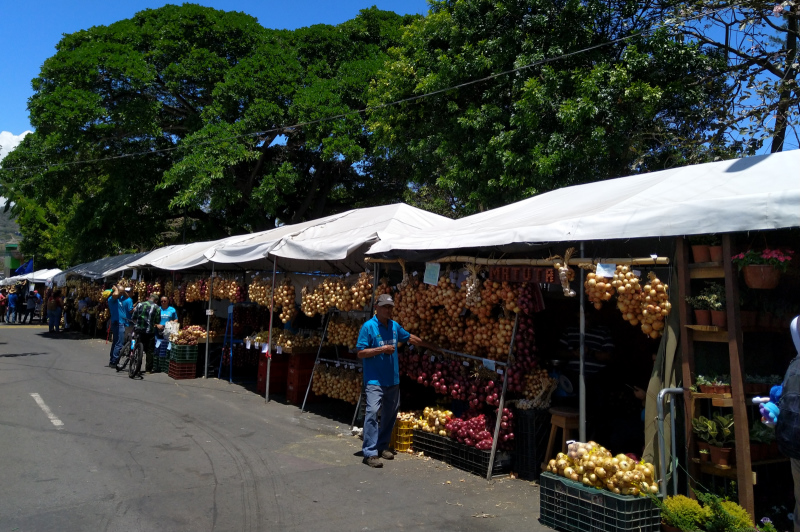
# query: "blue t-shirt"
113,309
168,315
12,300
126,310
382,369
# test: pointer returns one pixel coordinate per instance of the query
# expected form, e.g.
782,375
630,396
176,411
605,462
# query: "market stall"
628,217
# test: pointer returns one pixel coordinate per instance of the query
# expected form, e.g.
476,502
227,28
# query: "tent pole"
581,381
269,339
502,400
208,318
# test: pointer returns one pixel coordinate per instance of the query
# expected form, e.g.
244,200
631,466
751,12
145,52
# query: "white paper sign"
637,273
433,358
466,363
158,343
432,273
247,343
264,348
606,270
209,312
279,350
488,364
169,346
499,371
230,309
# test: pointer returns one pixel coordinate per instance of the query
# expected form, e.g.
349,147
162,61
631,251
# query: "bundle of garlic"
285,298
473,285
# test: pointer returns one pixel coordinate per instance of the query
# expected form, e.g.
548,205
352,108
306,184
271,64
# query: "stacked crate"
183,362
300,367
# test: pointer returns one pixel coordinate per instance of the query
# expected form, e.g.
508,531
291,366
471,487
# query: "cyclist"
146,319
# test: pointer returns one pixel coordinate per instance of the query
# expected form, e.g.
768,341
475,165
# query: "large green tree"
644,102
185,112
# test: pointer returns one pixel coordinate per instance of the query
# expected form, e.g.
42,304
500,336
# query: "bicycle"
131,356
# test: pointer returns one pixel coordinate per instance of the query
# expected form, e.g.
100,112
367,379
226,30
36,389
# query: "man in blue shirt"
117,321
13,301
377,347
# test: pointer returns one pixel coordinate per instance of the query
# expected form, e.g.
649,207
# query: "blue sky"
31,29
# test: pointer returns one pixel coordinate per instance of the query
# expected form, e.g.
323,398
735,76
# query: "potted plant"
679,512
703,384
721,433
721,384
715,249
761,439
762,269
715,295
702,312
701,427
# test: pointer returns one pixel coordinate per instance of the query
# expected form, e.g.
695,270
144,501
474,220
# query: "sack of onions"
598,289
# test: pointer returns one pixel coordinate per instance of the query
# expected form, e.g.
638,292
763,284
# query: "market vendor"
377,347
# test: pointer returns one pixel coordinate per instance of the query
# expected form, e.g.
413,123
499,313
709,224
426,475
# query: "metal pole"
208,317
502,401
314,367
581,381
358,406
662,452
269,340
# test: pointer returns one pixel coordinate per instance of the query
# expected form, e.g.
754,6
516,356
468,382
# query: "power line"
298,125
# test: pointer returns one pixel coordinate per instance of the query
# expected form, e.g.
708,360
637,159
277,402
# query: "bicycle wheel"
135,362
124,357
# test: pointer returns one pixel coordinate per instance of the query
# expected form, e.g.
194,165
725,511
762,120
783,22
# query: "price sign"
209,312
466,363
499,371
264,348
488,364
230,309
247,343
433,358
279,350
431,273
169,346
158,343
352,366
337,364
606,270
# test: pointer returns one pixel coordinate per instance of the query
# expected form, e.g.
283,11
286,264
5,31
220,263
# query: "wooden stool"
565,418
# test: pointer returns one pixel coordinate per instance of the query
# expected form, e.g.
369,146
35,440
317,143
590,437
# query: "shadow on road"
9,355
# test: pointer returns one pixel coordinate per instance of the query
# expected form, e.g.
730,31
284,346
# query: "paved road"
87,449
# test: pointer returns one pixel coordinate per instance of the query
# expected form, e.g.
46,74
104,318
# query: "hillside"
8,227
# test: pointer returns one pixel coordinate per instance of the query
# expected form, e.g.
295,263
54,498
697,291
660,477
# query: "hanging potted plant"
702,312
762,269
701,427
721,439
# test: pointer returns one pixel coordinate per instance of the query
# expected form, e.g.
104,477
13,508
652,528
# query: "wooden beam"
741,426
640,261
687,344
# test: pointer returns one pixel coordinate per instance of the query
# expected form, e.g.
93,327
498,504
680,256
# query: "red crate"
182,371
295,394
302,360
278,372
299,378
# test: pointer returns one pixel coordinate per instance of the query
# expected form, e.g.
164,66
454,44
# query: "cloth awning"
314,245
754,193
97,269
39,276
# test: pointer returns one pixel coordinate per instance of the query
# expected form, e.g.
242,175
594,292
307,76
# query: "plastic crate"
432,445
531,432
477,461
572,507
160,365
295,394
183,353
179,370
402,436
278,372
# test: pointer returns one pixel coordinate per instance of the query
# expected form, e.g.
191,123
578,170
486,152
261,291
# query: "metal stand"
227,341
662,453
314,367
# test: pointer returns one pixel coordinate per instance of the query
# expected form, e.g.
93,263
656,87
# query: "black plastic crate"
572,507
531,432
476,461
432,445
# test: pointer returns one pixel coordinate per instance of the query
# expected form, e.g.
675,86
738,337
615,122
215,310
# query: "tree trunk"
781,117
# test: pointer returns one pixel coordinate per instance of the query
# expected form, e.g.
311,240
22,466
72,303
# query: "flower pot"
701,253
704,457
764,320
702,317
719,318
722,456
705,388
761,276
715,252
748,318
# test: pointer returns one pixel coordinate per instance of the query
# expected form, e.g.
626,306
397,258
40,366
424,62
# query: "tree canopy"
183,112
644,102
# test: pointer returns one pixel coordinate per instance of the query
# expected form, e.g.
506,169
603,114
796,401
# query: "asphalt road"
87,449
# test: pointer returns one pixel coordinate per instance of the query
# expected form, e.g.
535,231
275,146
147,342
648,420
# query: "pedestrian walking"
54,308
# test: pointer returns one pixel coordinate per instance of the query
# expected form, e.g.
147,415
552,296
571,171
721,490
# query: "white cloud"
9,141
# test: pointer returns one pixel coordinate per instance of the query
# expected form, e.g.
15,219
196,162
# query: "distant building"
12,259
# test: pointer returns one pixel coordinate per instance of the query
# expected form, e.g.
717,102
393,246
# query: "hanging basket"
761,276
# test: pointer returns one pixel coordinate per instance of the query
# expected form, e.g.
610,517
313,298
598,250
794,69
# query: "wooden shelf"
720,336
731,471
717,399
706,270
705,328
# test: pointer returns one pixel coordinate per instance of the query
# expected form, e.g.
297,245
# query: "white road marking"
46,409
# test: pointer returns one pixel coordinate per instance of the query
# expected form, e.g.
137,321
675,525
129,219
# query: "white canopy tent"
315,245
96,269
39,276
755,193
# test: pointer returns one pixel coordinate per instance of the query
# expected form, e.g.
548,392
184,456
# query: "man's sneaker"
386,454
373,461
